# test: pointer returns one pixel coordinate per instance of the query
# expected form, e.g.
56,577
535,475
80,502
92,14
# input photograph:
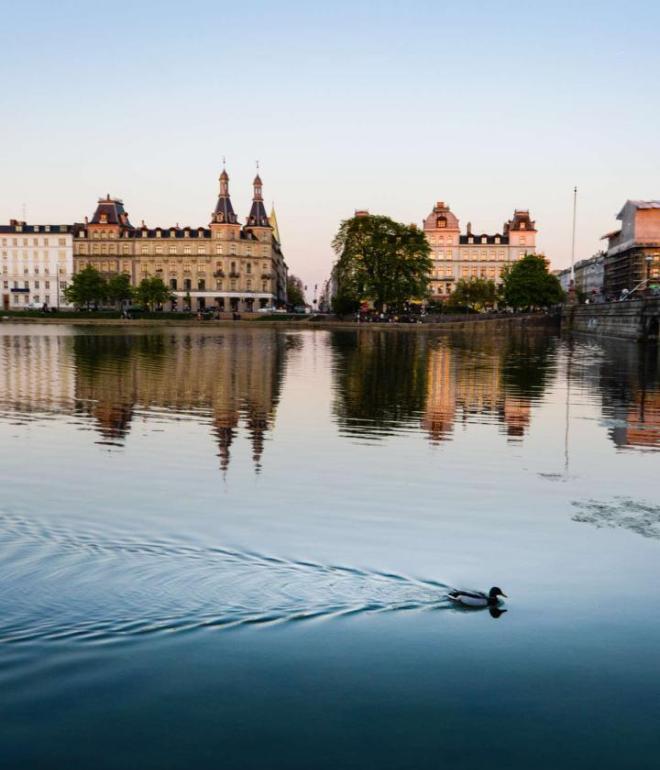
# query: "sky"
386,106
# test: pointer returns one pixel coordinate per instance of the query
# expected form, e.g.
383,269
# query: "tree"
475,293
295,291
118,288
528,284
381,260
152,292
88,287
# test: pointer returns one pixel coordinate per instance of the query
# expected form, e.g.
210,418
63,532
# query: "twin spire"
224,211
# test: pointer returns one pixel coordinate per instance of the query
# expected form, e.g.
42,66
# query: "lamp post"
649,262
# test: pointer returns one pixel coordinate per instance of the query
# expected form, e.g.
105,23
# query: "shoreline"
523,319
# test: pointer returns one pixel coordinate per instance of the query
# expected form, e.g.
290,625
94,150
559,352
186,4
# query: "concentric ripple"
64,584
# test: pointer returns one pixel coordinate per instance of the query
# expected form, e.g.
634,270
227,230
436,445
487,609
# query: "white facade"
36,263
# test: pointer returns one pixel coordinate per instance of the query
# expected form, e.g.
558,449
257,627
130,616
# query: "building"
37,264
225,266
474,255
633,251
589,276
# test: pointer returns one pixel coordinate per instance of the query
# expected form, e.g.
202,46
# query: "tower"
224,222
258,223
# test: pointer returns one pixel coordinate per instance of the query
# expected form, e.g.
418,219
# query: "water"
233,547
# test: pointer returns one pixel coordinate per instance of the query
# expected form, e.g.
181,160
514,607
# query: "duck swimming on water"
477,598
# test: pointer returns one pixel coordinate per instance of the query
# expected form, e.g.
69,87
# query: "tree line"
89,288
389,264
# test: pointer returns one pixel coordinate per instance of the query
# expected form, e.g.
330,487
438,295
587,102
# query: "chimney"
469,228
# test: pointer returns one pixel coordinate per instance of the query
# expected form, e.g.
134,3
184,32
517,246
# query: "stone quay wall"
632,319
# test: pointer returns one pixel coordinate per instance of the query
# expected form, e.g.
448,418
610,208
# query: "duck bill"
504,595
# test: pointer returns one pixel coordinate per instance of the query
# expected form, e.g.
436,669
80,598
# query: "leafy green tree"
381,260
295,291
343,304
88,287
528,284
152,292
118,288
475,293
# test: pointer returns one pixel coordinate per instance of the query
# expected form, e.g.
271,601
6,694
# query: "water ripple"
62,583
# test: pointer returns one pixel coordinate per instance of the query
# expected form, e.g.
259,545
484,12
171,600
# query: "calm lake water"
231,548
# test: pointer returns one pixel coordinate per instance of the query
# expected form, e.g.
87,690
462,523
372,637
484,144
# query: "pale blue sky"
382,105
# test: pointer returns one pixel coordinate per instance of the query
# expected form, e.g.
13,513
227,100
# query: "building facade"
589,276
633,251
37,264
468,255
225,266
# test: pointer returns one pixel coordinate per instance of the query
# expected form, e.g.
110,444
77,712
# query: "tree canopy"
88,287
527,283
381,260
475,293
118,288
295,290
152,292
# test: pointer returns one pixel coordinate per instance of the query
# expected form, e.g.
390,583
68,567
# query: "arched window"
441,222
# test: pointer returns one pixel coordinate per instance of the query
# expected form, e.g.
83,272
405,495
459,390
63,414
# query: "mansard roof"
110,211
474,239
224,211
522,221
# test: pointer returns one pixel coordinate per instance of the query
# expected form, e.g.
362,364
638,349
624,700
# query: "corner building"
225,266
474,255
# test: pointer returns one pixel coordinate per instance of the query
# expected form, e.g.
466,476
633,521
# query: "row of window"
25,241
113,234
187,267
105,248
26,285
26,271
232,285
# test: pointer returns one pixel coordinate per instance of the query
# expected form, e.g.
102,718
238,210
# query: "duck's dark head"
495,592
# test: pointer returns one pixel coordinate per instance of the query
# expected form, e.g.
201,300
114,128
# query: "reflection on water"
362,473
385,382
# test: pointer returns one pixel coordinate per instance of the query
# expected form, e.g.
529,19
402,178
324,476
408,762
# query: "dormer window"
497,239
441,222
158,233
144,233
103,219
470,239
522,225
484,239
36,228
172,234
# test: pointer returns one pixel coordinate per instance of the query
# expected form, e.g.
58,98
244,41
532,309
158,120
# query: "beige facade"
225,266
474,255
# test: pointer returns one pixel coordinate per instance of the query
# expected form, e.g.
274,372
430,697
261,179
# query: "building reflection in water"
230,380
385,382
389,381
628,379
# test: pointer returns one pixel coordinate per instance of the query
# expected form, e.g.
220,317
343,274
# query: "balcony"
234,275
219,274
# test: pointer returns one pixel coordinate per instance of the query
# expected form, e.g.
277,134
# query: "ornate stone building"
225,266
472,255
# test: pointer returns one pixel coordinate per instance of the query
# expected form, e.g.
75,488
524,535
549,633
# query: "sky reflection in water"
161,488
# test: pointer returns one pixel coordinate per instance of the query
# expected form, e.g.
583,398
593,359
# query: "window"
187,284
173,284
186,249
201,284
249,268
218,249
172,249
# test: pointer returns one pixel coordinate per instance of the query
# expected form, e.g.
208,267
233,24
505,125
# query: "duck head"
494,593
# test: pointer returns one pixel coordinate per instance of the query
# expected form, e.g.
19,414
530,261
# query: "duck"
477,598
